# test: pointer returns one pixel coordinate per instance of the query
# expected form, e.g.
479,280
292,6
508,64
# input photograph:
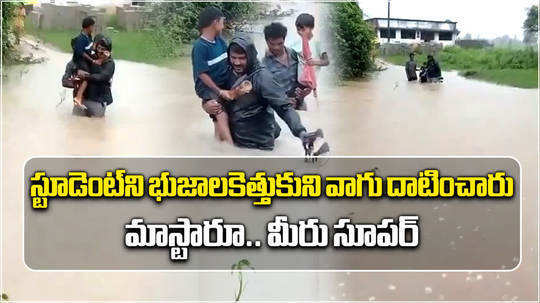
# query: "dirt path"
155,112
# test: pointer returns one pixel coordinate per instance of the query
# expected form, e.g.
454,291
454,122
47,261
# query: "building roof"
415,20
415,24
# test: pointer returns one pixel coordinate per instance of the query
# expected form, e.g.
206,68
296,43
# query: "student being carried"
83,55
309,55
210,70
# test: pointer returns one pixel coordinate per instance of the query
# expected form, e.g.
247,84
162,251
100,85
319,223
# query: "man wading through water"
410,68
250,116
98,92
283,63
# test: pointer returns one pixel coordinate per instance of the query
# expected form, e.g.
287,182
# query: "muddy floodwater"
156,113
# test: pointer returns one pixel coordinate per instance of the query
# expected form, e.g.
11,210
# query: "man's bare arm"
323,61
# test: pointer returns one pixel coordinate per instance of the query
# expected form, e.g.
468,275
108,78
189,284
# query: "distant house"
415,31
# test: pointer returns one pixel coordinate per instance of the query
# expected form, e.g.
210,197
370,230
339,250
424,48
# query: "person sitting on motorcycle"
433,70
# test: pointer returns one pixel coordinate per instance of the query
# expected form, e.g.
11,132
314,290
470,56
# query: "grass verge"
522,78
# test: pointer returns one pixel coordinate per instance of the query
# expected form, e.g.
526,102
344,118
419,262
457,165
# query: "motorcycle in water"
423,76
314,145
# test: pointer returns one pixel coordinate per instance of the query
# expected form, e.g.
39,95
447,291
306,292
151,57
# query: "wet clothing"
98,92
93,109
251,116
209,57
99,82
410,69
285,75
81,44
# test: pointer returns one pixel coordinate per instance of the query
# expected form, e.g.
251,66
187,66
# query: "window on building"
408,34
428,36
384,33
445,36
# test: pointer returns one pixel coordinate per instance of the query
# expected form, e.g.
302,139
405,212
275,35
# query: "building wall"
398,38
52,16
131,18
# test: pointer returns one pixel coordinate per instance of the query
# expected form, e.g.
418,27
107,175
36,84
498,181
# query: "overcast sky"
481,18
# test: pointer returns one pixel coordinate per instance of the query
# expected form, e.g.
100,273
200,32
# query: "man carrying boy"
98,94
283,63
305,23
82,54
210,69
252,115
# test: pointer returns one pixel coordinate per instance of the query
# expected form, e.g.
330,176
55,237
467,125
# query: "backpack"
69,75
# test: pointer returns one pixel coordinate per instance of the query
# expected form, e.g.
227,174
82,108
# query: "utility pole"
388,23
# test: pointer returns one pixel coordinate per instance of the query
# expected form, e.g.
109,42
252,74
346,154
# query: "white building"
415,31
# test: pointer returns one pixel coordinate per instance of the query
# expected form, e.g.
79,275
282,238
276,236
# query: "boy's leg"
213,117
222,131
216,131
82,65
222,127
80,91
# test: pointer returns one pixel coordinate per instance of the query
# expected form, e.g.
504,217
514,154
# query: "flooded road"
156,113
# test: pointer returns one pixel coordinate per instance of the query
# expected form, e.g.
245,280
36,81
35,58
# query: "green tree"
8,13
530,26
175,23
353,40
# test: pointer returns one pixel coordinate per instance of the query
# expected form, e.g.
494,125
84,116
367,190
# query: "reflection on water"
156,112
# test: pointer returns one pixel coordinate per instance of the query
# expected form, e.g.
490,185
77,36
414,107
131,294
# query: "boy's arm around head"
269,91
